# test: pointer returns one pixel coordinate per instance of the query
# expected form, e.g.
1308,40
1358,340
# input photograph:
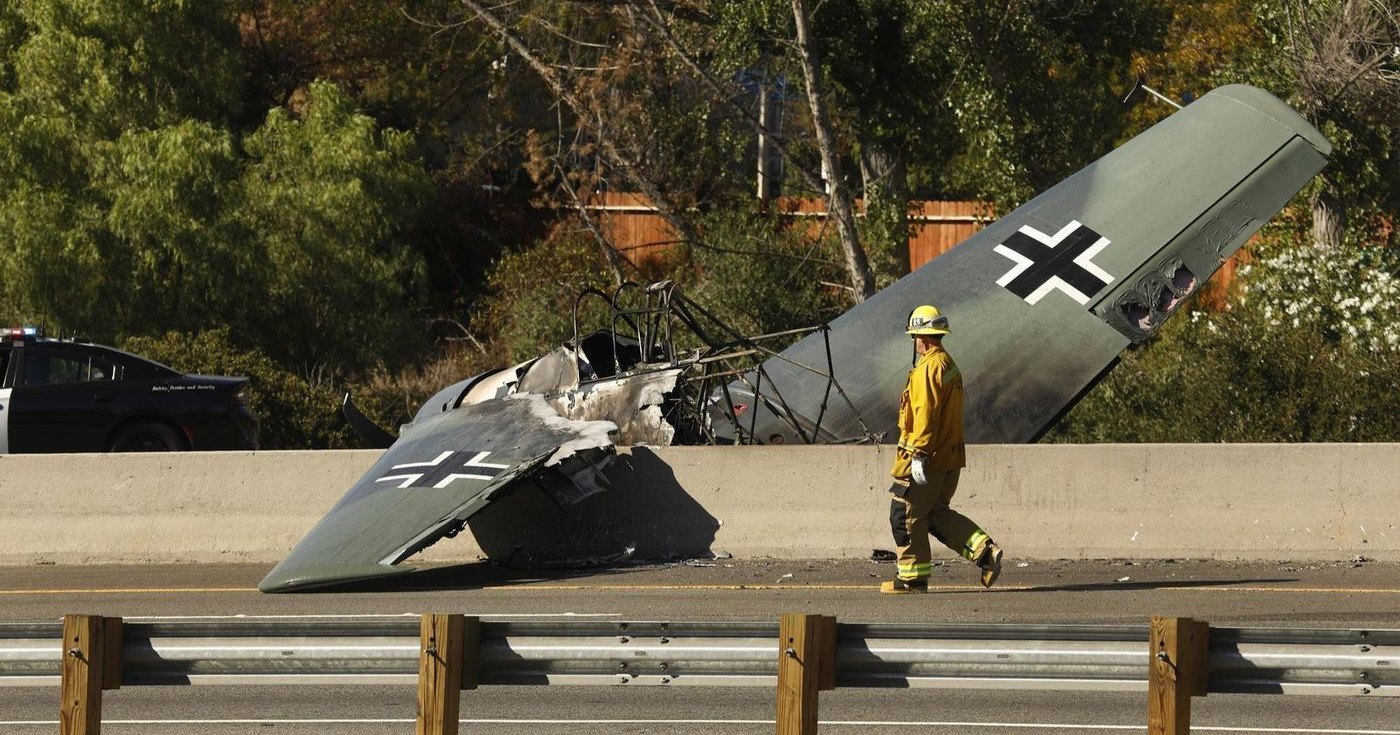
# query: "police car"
75,396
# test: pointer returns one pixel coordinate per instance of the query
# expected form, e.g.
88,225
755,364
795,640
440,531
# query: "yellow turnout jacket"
930,416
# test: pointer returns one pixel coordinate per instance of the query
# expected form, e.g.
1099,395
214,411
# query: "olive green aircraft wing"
444,468
1043,301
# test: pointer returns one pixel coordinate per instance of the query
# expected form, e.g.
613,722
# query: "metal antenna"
1141,85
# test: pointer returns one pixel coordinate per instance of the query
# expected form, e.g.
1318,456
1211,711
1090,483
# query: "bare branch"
610,253
680,10
466,333
839,201
1346,59
657,21
628,166
552,29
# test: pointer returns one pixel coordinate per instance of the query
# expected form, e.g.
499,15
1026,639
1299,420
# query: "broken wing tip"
316,578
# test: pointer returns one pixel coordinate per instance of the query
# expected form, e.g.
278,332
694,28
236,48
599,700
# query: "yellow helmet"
928,320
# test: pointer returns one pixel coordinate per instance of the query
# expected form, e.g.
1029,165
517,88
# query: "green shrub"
391,398
761,273
533,290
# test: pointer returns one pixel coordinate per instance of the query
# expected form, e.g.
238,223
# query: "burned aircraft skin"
552,421
1042,303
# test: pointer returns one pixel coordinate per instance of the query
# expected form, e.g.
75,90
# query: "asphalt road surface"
1285,594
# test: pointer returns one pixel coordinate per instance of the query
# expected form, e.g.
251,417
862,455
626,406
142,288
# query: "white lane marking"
834,723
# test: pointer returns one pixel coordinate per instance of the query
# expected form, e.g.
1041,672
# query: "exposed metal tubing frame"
610,301
725,350
663,302
1308,661
781,408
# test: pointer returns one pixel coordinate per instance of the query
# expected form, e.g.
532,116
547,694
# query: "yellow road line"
1325,590
1105,587
129,591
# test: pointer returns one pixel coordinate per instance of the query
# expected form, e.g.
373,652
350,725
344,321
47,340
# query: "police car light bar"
22,332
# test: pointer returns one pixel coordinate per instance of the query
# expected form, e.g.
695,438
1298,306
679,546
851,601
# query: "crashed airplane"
1044,301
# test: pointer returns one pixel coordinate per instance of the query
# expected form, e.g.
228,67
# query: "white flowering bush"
1308,350
1349,295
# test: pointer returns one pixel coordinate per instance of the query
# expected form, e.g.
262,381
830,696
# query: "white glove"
916,471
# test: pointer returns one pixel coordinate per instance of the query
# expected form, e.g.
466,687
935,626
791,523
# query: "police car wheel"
148,437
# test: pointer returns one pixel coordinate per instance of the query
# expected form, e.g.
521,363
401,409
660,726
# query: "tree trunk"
1329,221
839,198
886,185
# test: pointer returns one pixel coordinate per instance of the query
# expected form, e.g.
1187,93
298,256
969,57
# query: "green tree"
770,274
535,289
133,202
162,193
326,198
78,78
467,109
766,274
1037,88
956,99
1333,60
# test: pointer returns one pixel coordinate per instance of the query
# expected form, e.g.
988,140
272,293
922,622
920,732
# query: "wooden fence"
633,226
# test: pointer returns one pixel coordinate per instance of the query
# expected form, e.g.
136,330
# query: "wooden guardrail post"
1177,671
92,661
806,665
448,662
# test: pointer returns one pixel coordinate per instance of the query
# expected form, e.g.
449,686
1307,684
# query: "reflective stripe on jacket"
930,415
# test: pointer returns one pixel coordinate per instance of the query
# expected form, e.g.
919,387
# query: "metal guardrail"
1255,660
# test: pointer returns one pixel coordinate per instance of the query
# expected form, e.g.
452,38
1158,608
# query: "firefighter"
928,462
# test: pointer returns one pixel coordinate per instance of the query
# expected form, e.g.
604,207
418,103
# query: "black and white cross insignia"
1059,262
445,470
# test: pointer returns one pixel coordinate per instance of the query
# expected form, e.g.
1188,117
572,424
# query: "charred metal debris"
662,368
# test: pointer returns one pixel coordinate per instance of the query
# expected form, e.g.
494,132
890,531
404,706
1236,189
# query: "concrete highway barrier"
1233,501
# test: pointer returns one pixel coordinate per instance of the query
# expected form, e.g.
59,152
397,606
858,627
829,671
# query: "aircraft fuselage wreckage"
1043,302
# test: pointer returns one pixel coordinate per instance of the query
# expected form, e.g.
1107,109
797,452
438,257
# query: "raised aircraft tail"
1044,300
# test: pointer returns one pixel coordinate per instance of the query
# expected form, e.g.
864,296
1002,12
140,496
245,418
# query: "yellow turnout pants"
919,510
